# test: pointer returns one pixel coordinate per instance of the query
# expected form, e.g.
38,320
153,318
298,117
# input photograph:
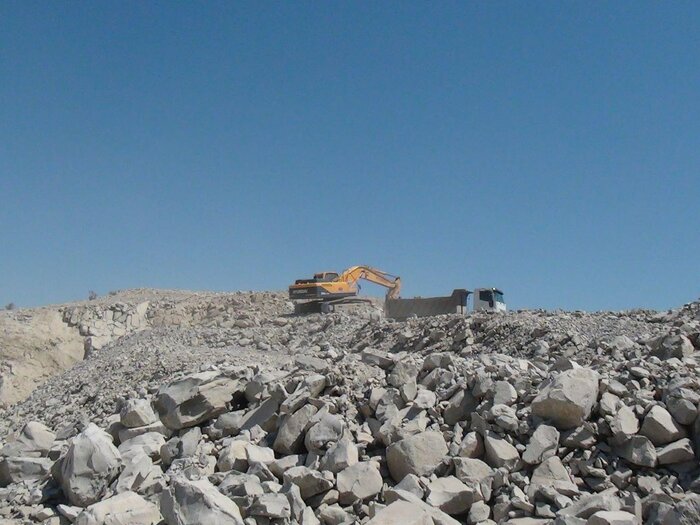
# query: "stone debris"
522,418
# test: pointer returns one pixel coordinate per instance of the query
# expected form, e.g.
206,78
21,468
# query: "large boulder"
91,463
451,495
123,509
309,481
358,482
685,512
34,441
401,512
568,398
195,398
669,346
137,413
189,502
16,469
543,444
290,437
660,427
419,454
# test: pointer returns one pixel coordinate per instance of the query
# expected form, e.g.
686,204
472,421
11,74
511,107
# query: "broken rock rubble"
435,421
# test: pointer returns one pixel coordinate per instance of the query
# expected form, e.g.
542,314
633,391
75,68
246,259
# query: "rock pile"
525,418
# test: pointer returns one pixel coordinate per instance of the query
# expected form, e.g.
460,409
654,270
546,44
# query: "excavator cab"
326,277
489,300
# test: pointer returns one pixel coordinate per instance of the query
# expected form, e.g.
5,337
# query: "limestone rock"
419,454
189,502
612,517
452,496
568,398
310,482
90,465
358,482
137,413
195,398
639,451
543,444
500,453
660,427
123,509
290,437
401,512
17,469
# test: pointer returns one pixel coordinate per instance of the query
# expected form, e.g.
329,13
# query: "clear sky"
551,149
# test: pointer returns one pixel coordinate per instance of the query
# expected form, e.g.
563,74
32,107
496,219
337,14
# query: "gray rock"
401,512
419,454
624,424
358,482
479,512
589,504
660,427
309,481
567,399
439,517
543,444
149,444
377,357
612,517
290,437
195,399
676,452
552,473
411,483
639,451
122,509
685,512
500,453
460,407
504,393
682,403
340,456
90,465
670,346
327,429
271,506
188,502
17,469
452,496
137,413
34,441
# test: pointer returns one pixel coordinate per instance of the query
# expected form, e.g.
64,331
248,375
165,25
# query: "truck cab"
488,300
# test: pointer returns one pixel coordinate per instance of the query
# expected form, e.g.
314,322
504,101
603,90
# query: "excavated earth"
151,406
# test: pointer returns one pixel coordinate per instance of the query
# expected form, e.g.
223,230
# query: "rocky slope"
223,408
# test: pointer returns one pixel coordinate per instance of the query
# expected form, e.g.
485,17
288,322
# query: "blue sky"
550,149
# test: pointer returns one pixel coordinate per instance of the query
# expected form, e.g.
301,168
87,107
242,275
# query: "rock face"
568,399
419,454
90,465
194,399
194,502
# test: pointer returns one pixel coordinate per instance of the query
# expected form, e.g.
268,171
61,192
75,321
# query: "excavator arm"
355,273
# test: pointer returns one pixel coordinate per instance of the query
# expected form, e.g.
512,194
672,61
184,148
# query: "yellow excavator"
328,289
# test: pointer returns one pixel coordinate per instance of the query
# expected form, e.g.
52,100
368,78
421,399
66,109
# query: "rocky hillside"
224,408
